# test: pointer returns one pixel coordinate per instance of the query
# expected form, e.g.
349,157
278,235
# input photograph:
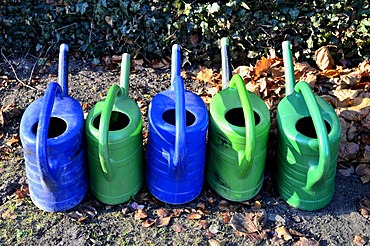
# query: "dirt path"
206,220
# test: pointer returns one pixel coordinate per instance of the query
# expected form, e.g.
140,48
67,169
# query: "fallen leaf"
363,169
331,73
359,240
163,212
323,58
205,75
203,224
201,205
283,233
303,241
249,222
90,211
295,233
214,228
222,206
9,215
246,72
162,222
343,94
365,207
194,216
13,140
161,64
256,205
140,214
23,192
261,66
359,109
226,217
109,20
148,223
210,200
177,212
213,242
177,227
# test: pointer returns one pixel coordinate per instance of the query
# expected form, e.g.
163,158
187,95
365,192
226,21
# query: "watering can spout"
225,60
289,68
63,68
176,63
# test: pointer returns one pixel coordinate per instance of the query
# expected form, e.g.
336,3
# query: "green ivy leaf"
103,3
81,7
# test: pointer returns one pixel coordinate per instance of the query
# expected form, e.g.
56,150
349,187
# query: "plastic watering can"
114,143
51,132
239,128
308,143
178,122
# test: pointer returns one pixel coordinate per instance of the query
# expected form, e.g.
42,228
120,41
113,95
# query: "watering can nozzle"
289,68
176,62
63,68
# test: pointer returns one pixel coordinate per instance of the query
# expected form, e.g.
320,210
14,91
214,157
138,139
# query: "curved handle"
289,68
246,158
176,63
113,92
125,73
63,68
316,173
47,175
225,62
179,154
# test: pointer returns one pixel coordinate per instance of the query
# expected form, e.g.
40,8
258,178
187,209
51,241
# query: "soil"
94,223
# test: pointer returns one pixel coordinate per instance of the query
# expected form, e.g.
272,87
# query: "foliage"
148,28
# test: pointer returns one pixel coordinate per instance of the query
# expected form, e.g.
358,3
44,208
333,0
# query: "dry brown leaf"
203,224
163,212
359,240
226,217
201,205
213,242
331,73
210,200
261,66
194,216
343,94
249,222
205,75
23,192
363,169
177,212
303,241
246,72
295,233
177,227
116,59
222,206
162,222
109,20
283,233
161,64
13,140
364,68
140,214
9,215
365,207
323,58
310,78
148,223
360,109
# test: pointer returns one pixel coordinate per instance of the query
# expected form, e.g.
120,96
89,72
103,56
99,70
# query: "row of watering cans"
53,133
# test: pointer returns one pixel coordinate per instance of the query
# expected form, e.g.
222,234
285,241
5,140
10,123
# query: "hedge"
148,28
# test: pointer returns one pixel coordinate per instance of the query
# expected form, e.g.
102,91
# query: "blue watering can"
178,122
51,132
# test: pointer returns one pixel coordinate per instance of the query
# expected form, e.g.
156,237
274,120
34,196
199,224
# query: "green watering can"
114,143
308,143
239,128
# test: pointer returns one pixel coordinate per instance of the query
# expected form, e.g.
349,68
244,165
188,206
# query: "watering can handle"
316,173
225,60
42,134
105,164
63,68
179,154
289,68
250,129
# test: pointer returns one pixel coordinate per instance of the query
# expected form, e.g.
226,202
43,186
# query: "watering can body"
227,173
303,180
116,163
55,165
171,183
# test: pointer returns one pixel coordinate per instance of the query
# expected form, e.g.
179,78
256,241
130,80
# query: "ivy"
95,28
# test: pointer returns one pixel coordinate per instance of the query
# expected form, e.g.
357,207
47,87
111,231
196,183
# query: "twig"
34,65
15,74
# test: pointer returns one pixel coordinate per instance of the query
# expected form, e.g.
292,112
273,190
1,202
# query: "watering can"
51,132
308,143
178,122
239,128
114,143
